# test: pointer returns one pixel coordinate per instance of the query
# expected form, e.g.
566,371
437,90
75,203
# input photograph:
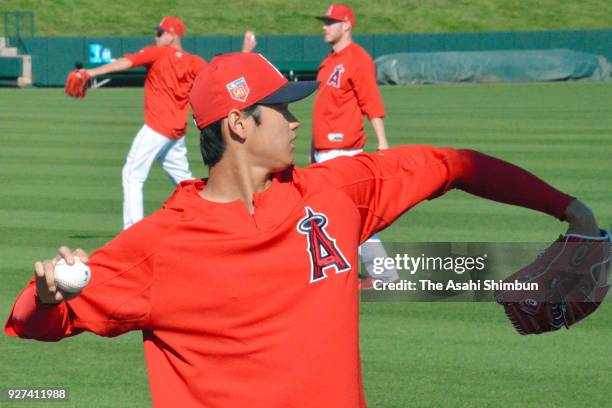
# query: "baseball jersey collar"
272,205
345,50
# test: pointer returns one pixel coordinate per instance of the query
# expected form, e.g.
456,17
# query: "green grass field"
60,168
115,17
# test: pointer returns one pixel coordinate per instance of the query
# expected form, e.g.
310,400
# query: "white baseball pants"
148,146
373,247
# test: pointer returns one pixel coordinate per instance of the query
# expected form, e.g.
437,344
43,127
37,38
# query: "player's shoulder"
197,61
148,50
166,51
330,55
153,226
156,49
191,56
163,220
142,239
152,52
336,171
193,60
358,52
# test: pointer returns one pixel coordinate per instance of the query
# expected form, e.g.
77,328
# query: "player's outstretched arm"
391,182
121,64
491,178
79,80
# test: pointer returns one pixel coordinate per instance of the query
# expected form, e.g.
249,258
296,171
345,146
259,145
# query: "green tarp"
491,66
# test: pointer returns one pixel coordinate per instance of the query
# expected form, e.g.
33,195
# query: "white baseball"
71,278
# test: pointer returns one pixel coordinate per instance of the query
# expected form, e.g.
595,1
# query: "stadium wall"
53,57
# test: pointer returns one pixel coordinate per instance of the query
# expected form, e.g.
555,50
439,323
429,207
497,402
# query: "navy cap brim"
328,19
290,92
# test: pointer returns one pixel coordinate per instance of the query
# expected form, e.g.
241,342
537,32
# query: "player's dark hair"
212,145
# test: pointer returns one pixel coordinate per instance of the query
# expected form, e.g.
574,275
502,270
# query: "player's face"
332,31
272,142
163,38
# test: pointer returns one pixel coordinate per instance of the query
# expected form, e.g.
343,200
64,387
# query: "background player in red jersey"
287,333
347,92
170,75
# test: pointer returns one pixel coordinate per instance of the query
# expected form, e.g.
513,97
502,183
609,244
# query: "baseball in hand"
71,278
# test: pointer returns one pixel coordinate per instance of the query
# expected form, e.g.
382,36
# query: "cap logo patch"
238,89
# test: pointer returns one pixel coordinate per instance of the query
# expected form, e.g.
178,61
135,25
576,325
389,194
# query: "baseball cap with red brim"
338,12
238,81
171,24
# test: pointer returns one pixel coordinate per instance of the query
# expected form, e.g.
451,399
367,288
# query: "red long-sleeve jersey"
261,310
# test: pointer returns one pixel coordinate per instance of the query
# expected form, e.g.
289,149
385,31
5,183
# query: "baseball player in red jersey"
346,93
170,75
287,334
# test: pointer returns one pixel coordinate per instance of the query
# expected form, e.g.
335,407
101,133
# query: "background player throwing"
170,75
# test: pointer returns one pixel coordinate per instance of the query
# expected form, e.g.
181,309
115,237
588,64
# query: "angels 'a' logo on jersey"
336,76
321,247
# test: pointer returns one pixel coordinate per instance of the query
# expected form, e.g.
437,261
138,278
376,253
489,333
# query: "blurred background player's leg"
319,156
368,251
174,161
145,148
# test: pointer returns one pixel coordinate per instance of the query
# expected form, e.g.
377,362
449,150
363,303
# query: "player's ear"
236,122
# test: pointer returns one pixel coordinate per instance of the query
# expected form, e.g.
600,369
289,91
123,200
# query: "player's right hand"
249,42
46,290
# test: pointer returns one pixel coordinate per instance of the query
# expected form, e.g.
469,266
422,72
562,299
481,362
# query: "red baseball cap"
339,12
240,80
171,24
